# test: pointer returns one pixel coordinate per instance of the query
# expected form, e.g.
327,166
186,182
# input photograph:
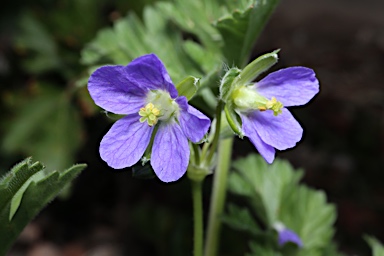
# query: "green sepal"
256,67
197,173
188,87
141,171
233,120
226,83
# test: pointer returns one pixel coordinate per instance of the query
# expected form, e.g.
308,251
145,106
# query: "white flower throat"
160,106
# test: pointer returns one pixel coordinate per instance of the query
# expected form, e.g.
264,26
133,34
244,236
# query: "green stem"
218,196
216,137
198,217
196,152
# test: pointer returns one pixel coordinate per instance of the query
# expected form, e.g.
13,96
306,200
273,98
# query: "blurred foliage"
47,127
44,107
25,190
376,246
274,195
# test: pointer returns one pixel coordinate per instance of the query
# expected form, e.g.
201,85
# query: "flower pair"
159,122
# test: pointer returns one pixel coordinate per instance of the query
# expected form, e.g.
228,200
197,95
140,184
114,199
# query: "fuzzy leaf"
33,188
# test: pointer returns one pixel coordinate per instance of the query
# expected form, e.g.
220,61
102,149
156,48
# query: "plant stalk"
218,196
198,217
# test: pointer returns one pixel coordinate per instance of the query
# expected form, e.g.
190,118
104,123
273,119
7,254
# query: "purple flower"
261,106
144,92
287,235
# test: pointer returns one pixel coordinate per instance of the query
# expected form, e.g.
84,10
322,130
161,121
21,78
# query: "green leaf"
267,183
307,213
25,191
376,246
16,199
206,60
188,87
241,219
275,195
103,48
258,250
241,29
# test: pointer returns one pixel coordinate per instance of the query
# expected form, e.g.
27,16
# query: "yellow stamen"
274,105
150,114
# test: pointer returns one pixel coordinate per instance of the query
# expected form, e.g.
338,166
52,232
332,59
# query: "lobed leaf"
275,195
241,29
241,219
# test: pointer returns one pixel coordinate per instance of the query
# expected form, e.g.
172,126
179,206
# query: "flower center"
160,106
246,98
150,114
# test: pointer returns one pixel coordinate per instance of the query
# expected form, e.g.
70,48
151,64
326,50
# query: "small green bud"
226,84
197,173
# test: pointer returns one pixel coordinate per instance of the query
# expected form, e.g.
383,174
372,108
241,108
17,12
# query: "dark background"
342,152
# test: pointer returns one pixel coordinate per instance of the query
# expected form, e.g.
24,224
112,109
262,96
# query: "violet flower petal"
292,86
170,152
193,123
126,141
110,88
250,130
280,132
149,72
287,235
